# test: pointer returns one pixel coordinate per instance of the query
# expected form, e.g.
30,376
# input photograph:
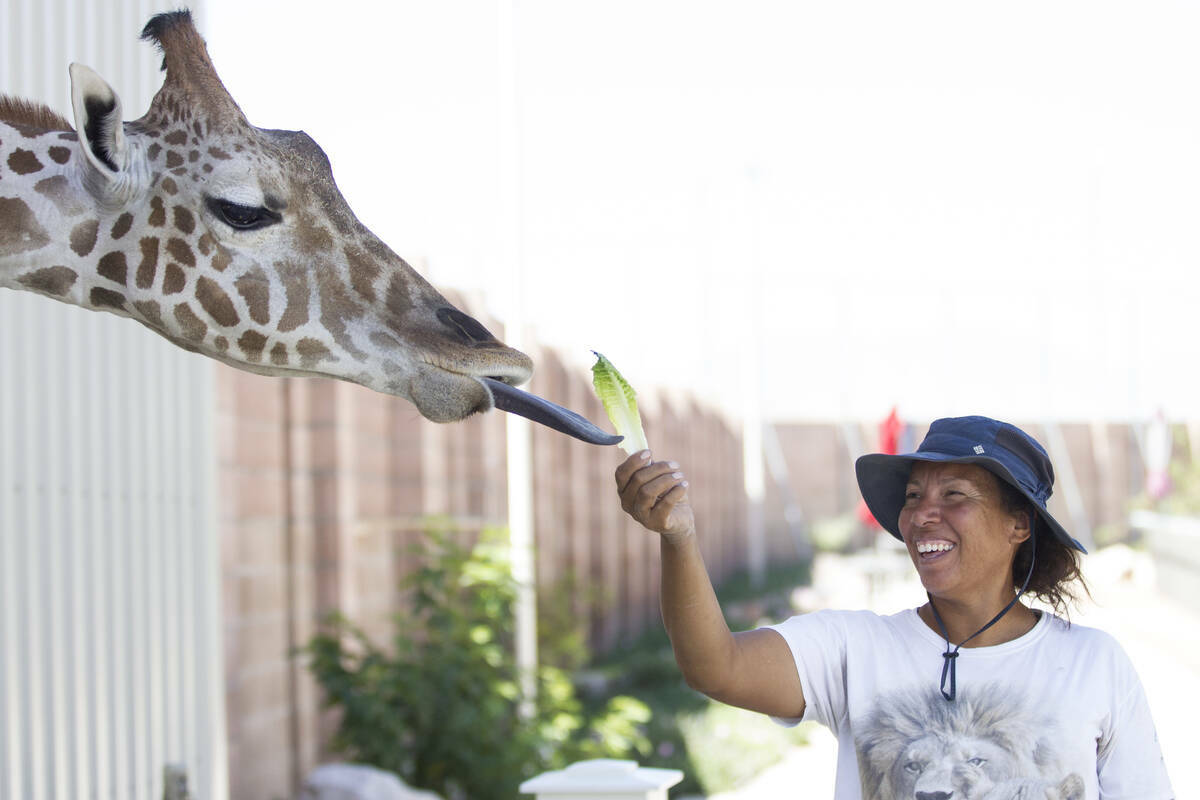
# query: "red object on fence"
889,443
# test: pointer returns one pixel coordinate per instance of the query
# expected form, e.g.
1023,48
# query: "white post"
603,779
520,450
1060,454
753,471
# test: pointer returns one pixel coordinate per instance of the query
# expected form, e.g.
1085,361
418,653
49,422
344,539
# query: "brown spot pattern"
51,280
148,266
176,137
218,304
174,279
181,251
122,225
385,340
24,162
221,259
83,236
60,155
312,353
57,190
279,354
149,311
114,267
19,229
252,344
221,343
174,159
170,186
184,220
295,286
363,272
398,302
158,212
337,306
314,237
153,150
205,244
106,298
255,289
219,154
190,325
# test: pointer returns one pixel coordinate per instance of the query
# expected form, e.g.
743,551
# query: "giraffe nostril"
465,325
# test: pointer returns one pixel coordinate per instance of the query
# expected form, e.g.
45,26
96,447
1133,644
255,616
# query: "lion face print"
934,764
986,745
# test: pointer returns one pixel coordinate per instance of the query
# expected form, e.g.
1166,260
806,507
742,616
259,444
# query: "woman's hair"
1056,566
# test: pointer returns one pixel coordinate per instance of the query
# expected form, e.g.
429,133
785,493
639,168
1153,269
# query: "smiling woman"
1046,708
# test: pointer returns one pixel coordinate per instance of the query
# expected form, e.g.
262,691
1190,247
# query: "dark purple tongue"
514,401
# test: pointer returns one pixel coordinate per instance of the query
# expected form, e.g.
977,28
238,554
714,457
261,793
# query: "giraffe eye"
244,218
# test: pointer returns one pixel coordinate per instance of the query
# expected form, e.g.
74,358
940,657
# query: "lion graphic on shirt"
985,745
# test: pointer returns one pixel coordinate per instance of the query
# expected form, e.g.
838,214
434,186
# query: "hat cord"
950,656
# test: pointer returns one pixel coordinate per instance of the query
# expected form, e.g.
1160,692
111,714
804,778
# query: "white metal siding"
110,661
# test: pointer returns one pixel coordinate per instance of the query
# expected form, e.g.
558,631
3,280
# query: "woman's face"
958,533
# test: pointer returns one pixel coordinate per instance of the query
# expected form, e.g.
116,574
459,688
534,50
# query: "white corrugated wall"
110,660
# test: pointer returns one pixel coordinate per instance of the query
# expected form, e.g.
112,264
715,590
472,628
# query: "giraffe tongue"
514,401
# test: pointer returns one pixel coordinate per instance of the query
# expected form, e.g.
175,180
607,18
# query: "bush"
716,746
443,708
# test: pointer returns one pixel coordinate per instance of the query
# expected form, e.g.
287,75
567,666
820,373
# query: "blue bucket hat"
1005,450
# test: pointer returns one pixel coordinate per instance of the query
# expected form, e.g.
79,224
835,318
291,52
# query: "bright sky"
950,207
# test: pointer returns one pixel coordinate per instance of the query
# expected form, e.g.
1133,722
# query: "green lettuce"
620,403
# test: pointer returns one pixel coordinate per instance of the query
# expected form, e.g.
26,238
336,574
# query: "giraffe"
234,242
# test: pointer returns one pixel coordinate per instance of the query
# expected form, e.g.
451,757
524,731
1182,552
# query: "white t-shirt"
1057,714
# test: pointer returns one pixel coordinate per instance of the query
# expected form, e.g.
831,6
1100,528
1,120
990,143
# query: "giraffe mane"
17,111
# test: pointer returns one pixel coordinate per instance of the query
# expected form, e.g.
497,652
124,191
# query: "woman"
972,695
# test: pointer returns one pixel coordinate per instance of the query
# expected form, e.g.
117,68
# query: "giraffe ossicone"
234,242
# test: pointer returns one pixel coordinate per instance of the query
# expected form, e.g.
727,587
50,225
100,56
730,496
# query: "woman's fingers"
630,466
654,493
649,494
634,482
663,514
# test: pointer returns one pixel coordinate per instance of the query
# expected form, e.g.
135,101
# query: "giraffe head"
234,241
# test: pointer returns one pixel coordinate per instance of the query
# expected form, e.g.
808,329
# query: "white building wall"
110,663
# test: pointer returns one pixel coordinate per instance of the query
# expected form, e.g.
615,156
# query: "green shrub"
443,708
716,746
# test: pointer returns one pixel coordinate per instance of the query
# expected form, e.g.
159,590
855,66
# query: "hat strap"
950,656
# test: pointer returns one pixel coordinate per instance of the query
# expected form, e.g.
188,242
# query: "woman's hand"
655,494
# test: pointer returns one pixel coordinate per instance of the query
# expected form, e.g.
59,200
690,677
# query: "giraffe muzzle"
515,401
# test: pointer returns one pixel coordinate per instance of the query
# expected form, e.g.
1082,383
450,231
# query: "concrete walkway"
1161,637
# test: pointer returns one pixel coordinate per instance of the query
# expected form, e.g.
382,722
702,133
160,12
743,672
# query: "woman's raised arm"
751,670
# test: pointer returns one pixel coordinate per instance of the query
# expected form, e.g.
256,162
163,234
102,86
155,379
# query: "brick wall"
1105,458
325,486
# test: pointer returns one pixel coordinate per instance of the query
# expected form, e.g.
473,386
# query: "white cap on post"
603,779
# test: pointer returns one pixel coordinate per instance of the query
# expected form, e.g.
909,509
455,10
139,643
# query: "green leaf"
620,403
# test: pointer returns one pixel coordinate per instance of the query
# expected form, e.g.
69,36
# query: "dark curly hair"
1057,579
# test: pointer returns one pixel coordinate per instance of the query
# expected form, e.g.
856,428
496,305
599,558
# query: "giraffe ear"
98,121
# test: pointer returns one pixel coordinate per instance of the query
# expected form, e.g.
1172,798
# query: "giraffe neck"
54,239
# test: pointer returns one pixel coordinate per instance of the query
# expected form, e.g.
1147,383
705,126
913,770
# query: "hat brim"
883,478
